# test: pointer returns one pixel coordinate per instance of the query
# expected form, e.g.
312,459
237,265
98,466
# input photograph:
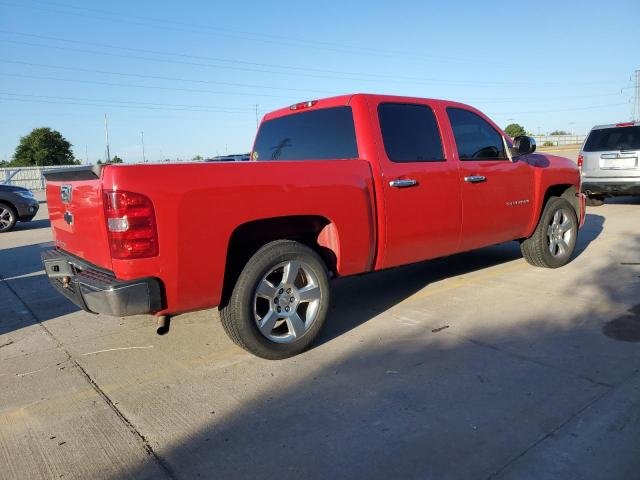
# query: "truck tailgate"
74,199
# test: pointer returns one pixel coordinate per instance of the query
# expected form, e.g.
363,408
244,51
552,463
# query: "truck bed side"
200,206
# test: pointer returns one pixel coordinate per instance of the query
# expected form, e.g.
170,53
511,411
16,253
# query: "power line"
245,94
243,85
184,62
121,104
132,102
154,87
85,104
177,54
196,108
106,137
252,36
161,77
542,99
298,71
636,102
561,109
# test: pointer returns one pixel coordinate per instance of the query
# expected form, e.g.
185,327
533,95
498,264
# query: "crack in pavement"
553,431
525,358
146,445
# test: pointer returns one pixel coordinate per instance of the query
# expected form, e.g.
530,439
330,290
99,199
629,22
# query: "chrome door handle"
403,183
475,179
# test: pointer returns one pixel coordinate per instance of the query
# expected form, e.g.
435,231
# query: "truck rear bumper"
611,187
98,291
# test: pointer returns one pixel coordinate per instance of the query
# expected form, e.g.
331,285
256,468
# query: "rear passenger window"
410,133
475,138
313,135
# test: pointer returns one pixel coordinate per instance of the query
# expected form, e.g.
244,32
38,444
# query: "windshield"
616,138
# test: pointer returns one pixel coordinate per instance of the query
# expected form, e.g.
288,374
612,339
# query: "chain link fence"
28,177
558,140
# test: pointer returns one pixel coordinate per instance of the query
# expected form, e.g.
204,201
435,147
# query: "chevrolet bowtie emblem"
65,193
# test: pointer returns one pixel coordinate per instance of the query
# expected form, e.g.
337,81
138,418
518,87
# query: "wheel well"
6,203
316,232
567,192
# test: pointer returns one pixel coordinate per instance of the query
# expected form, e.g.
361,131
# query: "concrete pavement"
473,366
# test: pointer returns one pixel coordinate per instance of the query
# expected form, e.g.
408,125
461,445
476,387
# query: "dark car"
17,204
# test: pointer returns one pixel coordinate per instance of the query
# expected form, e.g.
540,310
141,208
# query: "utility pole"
106,136
86,154
144,159
256,116
636,108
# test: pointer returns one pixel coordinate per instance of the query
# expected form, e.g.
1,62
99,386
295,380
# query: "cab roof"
342,100
614,125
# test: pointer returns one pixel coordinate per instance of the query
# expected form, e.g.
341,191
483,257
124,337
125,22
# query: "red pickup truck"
335,187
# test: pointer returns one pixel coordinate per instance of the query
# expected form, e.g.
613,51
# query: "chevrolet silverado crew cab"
335,187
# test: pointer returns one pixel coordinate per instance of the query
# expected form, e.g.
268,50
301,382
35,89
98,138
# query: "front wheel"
554,239
8,217
279,301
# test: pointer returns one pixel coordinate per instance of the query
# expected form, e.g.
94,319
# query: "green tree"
198,158
41,147
116,159
514,129
559,132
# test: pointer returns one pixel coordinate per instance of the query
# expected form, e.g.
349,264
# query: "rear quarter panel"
198,207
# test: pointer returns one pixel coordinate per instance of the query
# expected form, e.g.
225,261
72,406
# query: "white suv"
609,162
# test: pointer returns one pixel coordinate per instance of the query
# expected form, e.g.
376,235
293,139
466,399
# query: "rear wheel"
8,217
595,200
554,239
280,301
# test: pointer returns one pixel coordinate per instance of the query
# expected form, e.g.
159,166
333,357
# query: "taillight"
303,105
625,124
131,225
580,161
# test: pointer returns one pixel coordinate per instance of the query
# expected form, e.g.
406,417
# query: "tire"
554,238
595,201
8,217
281,275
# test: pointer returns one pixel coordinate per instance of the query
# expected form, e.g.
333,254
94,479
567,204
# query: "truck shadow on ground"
376,293
532,391
380,291
21,271
32,225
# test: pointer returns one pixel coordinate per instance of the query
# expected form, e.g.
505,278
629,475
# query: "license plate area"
618,163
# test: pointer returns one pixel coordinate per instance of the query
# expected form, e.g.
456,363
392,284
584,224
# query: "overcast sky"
190,74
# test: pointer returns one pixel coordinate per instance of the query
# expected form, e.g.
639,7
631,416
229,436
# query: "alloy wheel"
5,218
286,301
560,233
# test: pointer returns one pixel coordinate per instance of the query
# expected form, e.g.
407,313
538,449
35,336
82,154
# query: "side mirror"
523,144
